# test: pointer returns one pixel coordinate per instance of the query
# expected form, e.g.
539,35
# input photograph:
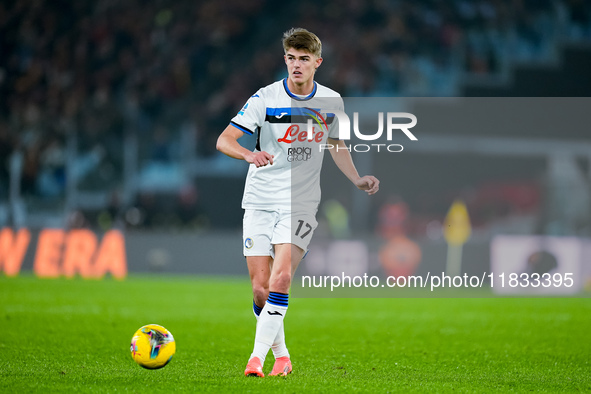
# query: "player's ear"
318,62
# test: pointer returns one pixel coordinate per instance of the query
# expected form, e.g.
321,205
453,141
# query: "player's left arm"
343,160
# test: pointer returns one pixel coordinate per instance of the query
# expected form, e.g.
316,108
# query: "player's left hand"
369,183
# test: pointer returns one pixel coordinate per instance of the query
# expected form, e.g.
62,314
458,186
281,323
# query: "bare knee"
260,293
281,282
259,270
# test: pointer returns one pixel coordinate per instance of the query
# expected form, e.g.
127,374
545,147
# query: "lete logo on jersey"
293,132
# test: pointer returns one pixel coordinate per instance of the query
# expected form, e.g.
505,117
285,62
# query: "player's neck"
303,89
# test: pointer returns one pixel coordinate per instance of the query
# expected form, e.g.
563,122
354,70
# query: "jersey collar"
295,97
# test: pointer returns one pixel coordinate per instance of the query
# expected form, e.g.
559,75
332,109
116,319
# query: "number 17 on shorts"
302,229
263,229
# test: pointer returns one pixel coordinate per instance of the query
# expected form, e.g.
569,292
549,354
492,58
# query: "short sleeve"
251,116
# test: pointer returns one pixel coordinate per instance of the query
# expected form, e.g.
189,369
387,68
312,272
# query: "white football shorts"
263,229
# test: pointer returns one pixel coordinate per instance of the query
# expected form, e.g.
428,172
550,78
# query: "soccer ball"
152,346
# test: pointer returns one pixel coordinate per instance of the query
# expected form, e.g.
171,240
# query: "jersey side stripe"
295,119
283,111
294,115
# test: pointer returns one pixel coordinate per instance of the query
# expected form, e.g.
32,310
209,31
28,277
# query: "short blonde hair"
302,39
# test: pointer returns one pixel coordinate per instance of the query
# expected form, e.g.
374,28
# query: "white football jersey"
281,120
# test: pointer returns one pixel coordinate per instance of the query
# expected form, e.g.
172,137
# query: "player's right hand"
259,159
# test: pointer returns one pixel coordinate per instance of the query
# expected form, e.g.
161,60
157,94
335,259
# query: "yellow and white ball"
152,346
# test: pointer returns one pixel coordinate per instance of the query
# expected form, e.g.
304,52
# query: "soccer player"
282,189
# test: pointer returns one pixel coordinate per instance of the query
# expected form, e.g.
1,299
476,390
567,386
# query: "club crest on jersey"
317,116
248,243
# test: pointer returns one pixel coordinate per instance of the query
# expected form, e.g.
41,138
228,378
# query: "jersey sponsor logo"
299,154
281,115
248,243
293,134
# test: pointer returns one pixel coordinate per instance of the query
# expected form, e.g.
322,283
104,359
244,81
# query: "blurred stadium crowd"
162,70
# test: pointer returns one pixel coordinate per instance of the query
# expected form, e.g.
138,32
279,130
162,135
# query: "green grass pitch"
73,335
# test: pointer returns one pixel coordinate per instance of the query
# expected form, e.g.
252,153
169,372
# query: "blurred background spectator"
108,98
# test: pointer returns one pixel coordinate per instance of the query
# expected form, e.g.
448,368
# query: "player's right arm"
228,144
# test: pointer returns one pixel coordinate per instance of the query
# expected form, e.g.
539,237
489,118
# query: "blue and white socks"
256,309
269,331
